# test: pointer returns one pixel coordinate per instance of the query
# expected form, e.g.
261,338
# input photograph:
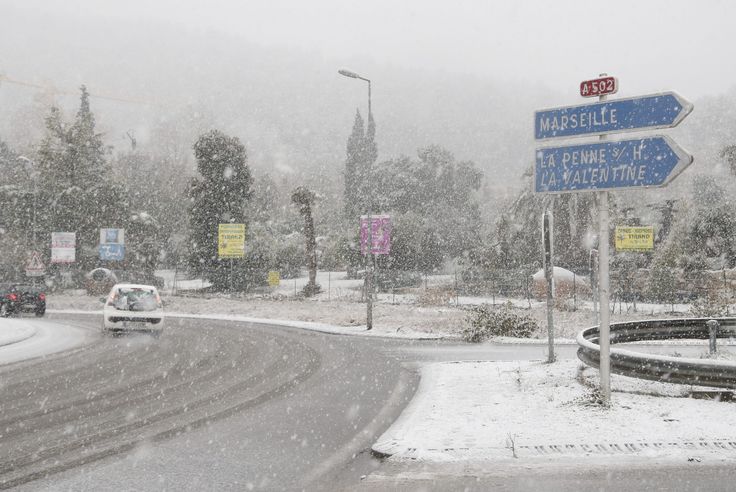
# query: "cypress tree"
353,167
368,158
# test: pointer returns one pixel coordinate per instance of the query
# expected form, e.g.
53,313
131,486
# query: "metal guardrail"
681,370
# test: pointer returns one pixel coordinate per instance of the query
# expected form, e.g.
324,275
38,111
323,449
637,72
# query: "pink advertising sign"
381,234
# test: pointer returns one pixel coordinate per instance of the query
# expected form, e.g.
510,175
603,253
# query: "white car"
133,307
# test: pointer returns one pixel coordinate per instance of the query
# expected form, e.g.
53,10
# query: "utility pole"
370,258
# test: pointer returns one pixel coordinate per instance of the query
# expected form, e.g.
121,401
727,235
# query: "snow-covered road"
212,405
26,338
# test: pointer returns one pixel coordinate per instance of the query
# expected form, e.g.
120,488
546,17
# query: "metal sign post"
593,265
230,245
596,167
547,241
375,239
603,286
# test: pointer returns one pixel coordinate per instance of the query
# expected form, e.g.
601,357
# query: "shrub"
713,305
484,321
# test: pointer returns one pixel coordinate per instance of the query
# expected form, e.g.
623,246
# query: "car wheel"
40,313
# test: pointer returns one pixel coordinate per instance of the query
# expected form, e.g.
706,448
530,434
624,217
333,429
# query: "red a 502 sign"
598,87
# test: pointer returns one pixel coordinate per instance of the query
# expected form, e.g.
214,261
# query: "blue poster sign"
650,112
651,161
112,252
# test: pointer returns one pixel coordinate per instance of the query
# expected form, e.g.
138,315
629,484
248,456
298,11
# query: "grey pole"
603,288
713,333
370,257
547,236
594,281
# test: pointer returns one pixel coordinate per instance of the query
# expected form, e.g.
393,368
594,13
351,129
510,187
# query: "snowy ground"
422,312
479,411
25,338
13,331
532,411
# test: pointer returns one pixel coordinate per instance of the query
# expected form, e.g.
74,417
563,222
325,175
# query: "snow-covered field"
529,411
413,313
407,320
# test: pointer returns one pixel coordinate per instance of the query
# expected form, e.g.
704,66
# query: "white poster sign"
63,247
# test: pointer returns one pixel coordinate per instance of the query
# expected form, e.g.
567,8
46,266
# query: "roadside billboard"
231,241
112,244
639,239
63,247
274,278
380,234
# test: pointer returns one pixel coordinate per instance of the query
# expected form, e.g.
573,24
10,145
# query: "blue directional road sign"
650,112
651,161
112,251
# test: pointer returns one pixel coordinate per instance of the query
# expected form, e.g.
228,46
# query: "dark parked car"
22,298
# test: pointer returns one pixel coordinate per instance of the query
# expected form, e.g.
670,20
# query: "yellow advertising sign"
634,238
274,278
231,241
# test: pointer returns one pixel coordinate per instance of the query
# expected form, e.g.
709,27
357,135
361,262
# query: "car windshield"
135,299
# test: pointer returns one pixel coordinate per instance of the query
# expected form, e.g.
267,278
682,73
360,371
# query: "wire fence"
629,289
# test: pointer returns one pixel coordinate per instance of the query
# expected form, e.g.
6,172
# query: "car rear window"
134,299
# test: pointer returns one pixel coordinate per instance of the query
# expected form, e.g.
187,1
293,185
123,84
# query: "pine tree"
16,200
219,196
74,182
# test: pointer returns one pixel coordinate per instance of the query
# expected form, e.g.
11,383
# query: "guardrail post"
712,331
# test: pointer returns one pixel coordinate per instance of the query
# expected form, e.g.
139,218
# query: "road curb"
304,325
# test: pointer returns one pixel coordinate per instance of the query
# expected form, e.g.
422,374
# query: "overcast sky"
684,45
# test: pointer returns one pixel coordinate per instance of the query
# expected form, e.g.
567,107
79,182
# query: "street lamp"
34,176
368,285
353,75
